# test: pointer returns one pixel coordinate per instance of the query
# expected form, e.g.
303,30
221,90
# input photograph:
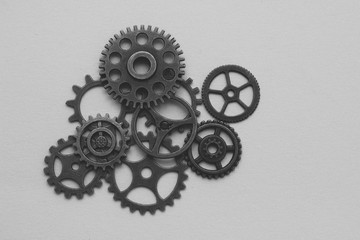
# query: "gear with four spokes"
71,169
141,66
212,150
150,182
231,93
101,142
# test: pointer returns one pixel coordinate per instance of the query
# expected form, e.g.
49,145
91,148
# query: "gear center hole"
146,172
142,65
75,166
231,93
212,148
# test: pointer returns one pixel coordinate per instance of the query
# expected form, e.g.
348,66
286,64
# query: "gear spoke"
227,76
217,131
224,107
198,138
216,91
230,148
199,159
242,104
242,87
218,165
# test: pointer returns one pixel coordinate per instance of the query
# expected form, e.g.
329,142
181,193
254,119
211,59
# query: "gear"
164,127
72,169
220,150
151,183
141,47
230,93
101,142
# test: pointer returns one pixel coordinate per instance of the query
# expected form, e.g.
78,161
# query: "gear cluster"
142,69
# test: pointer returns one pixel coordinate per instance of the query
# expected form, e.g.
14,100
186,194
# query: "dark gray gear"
231,93
72,169
150,183
101,142
150,47
221,149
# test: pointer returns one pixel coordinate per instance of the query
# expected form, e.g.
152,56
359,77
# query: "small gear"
231,93
216,155
164,127
151,182
72,169
101,142
150,49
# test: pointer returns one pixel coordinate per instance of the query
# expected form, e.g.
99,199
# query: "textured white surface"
299,174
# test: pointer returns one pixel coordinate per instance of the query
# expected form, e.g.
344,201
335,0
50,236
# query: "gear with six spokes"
141,69
141,66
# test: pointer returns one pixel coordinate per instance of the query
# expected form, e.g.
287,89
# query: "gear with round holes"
101,142
71,169
141,66
90,83
212,150
150,182
231,93
164,127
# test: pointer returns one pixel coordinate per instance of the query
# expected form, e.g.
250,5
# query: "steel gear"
101,142
230,93
221,148
164,127
72,169
149,47
151,183
90,83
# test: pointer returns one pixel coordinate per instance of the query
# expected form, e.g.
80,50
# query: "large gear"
153,48
221,149
72,169
164,127
151,183
101,142
231,93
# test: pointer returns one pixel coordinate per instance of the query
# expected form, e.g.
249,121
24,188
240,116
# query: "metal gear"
164,127
90,83
230,93
152,48
221,148
72,169
151,183
101,142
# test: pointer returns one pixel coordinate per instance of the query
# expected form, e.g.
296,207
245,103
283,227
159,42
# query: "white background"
299,174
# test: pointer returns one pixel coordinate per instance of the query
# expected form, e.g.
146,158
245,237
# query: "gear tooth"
173,40
70,103
98,115
105,52
176,46
142,212
135,28
79,195
111,189
122,32
162,32
47,159
98,184
73,118
156,29
182,72
197,113
152,211
67,195
57,190
61,141
189,81
46,171
128,29
142,27
52,149
91,118
196,90
76,89
90,191
149,28
116,36
107,115
88,79
168,36
198,101
50,181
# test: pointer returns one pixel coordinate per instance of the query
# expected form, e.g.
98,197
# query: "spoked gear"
231,93
164,127
90,83
221,148
72,169
151,182
149,47
101,142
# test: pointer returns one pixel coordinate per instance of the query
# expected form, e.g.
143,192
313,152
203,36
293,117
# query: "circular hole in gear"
142,38
169,57
125,44
158,44
125,88
158,88
115,75
212,148
141,94
115,58
141,65
231,93
146,172
75,166
169,74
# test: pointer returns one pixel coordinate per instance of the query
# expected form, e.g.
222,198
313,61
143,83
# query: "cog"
231,93
216,157
101,142
147,47
72,169
164,128
151,183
